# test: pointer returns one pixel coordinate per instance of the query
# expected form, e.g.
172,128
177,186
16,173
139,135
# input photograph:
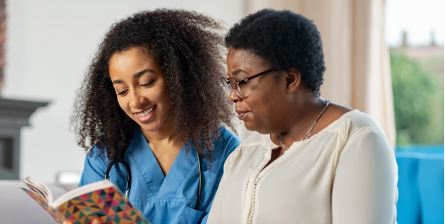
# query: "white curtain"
358,71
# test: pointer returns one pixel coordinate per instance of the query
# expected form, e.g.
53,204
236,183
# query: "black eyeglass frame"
228,83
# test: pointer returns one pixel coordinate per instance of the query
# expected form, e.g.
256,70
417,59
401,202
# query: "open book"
101,200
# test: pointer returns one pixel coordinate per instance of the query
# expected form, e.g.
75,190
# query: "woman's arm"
215,214
94,168
365,181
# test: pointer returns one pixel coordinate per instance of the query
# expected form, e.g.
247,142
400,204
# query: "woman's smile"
144,116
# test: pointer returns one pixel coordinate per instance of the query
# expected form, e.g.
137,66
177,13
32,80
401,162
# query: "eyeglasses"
238,86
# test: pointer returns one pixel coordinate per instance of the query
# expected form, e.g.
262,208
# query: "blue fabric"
421,184
171,198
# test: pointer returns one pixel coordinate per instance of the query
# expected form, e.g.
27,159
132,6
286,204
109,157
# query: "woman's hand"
95,221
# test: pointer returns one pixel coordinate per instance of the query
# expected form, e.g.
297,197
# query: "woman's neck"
301,120
165,144
166,136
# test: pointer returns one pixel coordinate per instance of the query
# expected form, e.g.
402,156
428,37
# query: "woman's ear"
293,79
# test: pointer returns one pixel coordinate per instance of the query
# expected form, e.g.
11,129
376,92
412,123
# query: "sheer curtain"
358,71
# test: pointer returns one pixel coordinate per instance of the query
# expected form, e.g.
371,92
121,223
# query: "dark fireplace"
14,114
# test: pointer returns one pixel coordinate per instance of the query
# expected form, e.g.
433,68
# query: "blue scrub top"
171,198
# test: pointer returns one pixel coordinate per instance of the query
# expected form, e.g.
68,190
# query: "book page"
39,187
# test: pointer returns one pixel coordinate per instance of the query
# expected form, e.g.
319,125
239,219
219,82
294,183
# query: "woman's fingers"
96,221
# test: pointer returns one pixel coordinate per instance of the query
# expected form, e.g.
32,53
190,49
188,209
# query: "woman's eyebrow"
139,74
135,76
236,72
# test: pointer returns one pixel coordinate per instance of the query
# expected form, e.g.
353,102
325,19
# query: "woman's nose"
233,97
135,99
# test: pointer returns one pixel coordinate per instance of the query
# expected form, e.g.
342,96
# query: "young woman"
152,100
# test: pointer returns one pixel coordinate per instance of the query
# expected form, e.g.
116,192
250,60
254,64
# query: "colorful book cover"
100,200
42,202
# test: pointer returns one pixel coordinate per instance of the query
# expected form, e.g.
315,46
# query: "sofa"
16,207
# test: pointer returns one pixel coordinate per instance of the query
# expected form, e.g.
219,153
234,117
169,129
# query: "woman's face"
260,108
140,88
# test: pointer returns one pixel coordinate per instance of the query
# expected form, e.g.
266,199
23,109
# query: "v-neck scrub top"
171,198
346,173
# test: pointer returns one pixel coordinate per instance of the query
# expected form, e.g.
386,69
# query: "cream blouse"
346,173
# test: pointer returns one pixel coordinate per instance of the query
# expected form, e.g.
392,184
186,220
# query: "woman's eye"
147,84
121,93
242,83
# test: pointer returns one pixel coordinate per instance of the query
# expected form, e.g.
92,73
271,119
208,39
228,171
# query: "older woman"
312,161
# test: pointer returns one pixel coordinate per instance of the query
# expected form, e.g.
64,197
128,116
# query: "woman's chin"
250,126
150,128
257,128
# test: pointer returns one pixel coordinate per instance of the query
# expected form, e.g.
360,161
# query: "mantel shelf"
14,114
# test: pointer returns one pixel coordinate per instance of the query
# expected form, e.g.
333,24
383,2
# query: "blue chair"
420,185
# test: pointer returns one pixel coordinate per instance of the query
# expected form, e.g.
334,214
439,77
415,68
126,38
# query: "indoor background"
369,46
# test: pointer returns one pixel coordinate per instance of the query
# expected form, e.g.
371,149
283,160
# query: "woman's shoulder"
358,124
360,120
350,122
227,135
97,153
227,141
252,144
355,117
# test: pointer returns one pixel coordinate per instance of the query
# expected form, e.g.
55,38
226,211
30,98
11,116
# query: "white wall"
49,46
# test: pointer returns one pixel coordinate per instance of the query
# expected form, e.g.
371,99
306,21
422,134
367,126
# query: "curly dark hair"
285,39
188,46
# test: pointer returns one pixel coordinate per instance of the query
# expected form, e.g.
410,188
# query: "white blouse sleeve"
215,215
365,182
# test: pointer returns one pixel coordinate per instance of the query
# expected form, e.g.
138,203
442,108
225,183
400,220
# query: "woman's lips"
145,115
241,114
